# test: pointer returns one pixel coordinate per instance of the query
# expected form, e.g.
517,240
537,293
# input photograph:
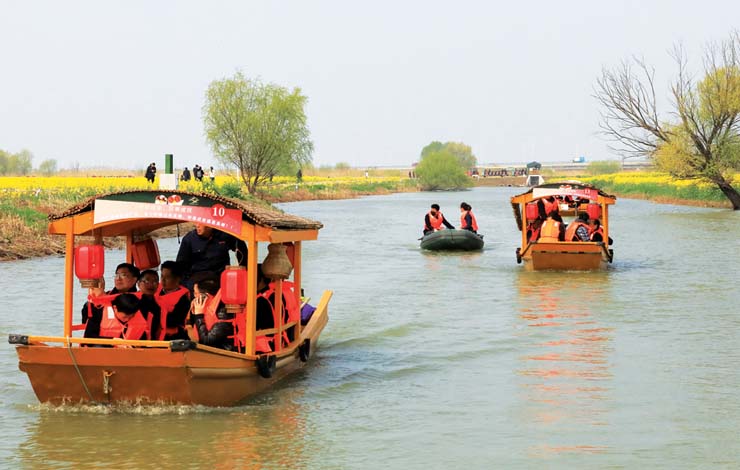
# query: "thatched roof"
254,213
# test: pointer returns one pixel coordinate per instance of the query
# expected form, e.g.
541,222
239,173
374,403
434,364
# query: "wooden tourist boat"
62,370
452,239
573,198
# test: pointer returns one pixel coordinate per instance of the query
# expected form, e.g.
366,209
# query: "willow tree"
258,128
699,137
441,170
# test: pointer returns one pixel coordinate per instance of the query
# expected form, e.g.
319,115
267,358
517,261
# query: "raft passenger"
467,219
434,220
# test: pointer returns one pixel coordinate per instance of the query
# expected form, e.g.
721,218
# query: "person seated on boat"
552,230
148,284
212,324
124,320
434,220
205,249
533,229
467,219
266,302
124,280
173,299
596,231
577,230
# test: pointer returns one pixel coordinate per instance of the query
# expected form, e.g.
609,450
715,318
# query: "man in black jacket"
206,250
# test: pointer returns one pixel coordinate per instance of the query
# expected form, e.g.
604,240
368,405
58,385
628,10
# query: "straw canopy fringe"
257,214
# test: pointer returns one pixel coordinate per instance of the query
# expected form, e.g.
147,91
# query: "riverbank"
27,201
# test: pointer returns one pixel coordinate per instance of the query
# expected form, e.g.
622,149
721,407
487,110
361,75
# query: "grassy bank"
661,188
25,202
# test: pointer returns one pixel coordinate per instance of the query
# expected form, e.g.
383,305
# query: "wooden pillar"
279,309
69,277
297,283
251,316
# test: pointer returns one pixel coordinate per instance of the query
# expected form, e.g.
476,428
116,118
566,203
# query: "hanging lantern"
89,263
531,210
146,254
234,288
276,265
594,211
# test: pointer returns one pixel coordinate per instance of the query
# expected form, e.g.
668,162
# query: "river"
444,360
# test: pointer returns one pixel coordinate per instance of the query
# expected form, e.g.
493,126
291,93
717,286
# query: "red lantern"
234,288
594,211
146,254
531,209
89,264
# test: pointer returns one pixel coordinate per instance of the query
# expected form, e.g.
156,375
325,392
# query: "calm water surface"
444,360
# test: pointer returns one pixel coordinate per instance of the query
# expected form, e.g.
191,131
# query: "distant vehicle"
579,160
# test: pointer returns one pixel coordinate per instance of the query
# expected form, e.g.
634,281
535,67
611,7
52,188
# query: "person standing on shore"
212,174
151,172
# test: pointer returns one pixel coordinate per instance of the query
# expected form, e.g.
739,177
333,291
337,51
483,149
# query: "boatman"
206,249
434,220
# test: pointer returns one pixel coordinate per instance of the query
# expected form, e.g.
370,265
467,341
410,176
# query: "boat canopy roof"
571,188
562,188
118,213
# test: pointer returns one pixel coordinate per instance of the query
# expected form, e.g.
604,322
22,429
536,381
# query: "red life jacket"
551,206
167,304
435,222
599,230
550,231
570,232
104,302
112,327
464,225
290,305
211,318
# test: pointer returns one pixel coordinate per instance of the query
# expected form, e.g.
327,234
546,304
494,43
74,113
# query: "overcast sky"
121,83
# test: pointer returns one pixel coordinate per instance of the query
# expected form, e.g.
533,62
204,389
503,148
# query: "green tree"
462,152
48,167
434,146
4,156
704,141
258,128
441,170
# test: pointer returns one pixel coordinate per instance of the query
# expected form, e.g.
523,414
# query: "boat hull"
201,376
461,240
563,256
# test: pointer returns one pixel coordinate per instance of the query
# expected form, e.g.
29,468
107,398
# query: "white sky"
121,83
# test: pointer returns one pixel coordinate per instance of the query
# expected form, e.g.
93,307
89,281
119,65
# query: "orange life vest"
210,317
551,206
167,304
290,305
112,327
550,231
473,222
435,222
570,232
599,230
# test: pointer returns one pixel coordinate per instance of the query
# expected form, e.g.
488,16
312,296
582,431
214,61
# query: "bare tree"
699,138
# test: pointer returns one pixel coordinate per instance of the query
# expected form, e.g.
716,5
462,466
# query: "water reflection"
257,436
566,373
